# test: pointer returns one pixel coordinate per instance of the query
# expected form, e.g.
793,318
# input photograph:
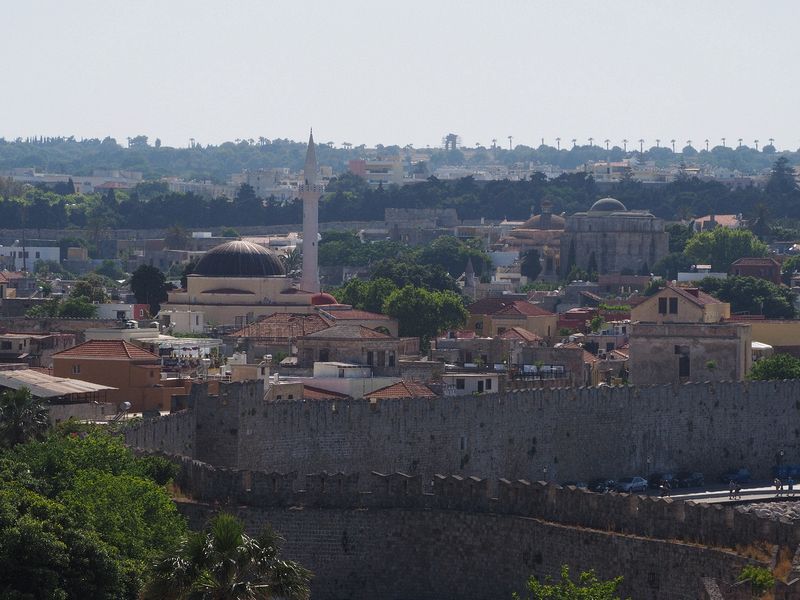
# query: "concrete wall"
700,427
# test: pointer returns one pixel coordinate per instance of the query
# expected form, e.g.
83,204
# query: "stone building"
616,238
354,344
237,282
761,268
492,316
684,352
680,335
542,233
134,372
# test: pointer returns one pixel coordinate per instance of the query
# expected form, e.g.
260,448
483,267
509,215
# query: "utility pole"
511,137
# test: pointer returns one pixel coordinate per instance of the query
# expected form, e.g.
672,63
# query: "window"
391,359
460,384
370,358
38,255
5,345
480,386
478,325
324,355
76,369
381,358
662,306
488,384
673,306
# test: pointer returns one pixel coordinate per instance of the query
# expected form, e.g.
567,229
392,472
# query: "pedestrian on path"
738,490
791,486
731,489
778,485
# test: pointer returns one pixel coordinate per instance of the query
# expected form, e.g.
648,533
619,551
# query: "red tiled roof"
500,306
283,326
315,393
107,349
352,314
403,389
722,220
519,333
756,262
349,332
694,295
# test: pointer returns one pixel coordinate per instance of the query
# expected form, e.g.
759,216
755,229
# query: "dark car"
736,476
686,479
602,485
654,480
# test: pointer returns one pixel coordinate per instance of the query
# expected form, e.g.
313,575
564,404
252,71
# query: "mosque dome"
608,205
323,299
548,222
239,259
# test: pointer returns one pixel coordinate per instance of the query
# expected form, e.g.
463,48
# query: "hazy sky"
402,72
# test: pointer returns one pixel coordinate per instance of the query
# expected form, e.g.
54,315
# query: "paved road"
750,493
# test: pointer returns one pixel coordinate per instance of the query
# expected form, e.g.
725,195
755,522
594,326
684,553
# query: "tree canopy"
588,587
423,314
778,366
721,246
81,516
750,295
149,285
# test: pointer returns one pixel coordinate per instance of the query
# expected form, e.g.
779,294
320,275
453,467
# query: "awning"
47,386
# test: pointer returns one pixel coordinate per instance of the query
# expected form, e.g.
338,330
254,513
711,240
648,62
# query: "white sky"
404,71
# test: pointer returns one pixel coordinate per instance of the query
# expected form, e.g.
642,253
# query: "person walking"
738,490
791,486
731,489
777,483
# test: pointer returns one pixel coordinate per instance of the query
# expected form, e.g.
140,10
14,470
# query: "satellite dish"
125,405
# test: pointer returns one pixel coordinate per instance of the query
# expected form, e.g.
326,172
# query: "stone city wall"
711,525
394,541
554,434
173,436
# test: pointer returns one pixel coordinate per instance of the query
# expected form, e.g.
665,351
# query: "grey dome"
608,205
239,259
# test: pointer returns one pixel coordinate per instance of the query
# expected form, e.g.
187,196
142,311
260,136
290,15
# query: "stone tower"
310,193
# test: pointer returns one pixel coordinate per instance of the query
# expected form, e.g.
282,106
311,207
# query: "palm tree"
22,417
292,261
224,563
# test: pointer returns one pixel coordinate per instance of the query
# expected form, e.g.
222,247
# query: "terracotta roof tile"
315,393
283,326
107,349
501,306
403,389
353,314
349,332
756,262
694,295
519,333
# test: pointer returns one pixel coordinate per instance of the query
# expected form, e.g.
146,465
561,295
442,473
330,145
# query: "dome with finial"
239,259
608,205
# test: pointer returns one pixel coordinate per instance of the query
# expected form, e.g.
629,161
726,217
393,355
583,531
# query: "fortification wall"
174,436
575,433
557,434
630,514
441,555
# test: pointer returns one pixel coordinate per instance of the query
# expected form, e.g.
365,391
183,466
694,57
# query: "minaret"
310,193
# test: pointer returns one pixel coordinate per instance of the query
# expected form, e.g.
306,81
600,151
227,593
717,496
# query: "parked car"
655,480
602,485
631,485
736,475
688,479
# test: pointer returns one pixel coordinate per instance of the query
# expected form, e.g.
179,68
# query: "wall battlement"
649,517
631,430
